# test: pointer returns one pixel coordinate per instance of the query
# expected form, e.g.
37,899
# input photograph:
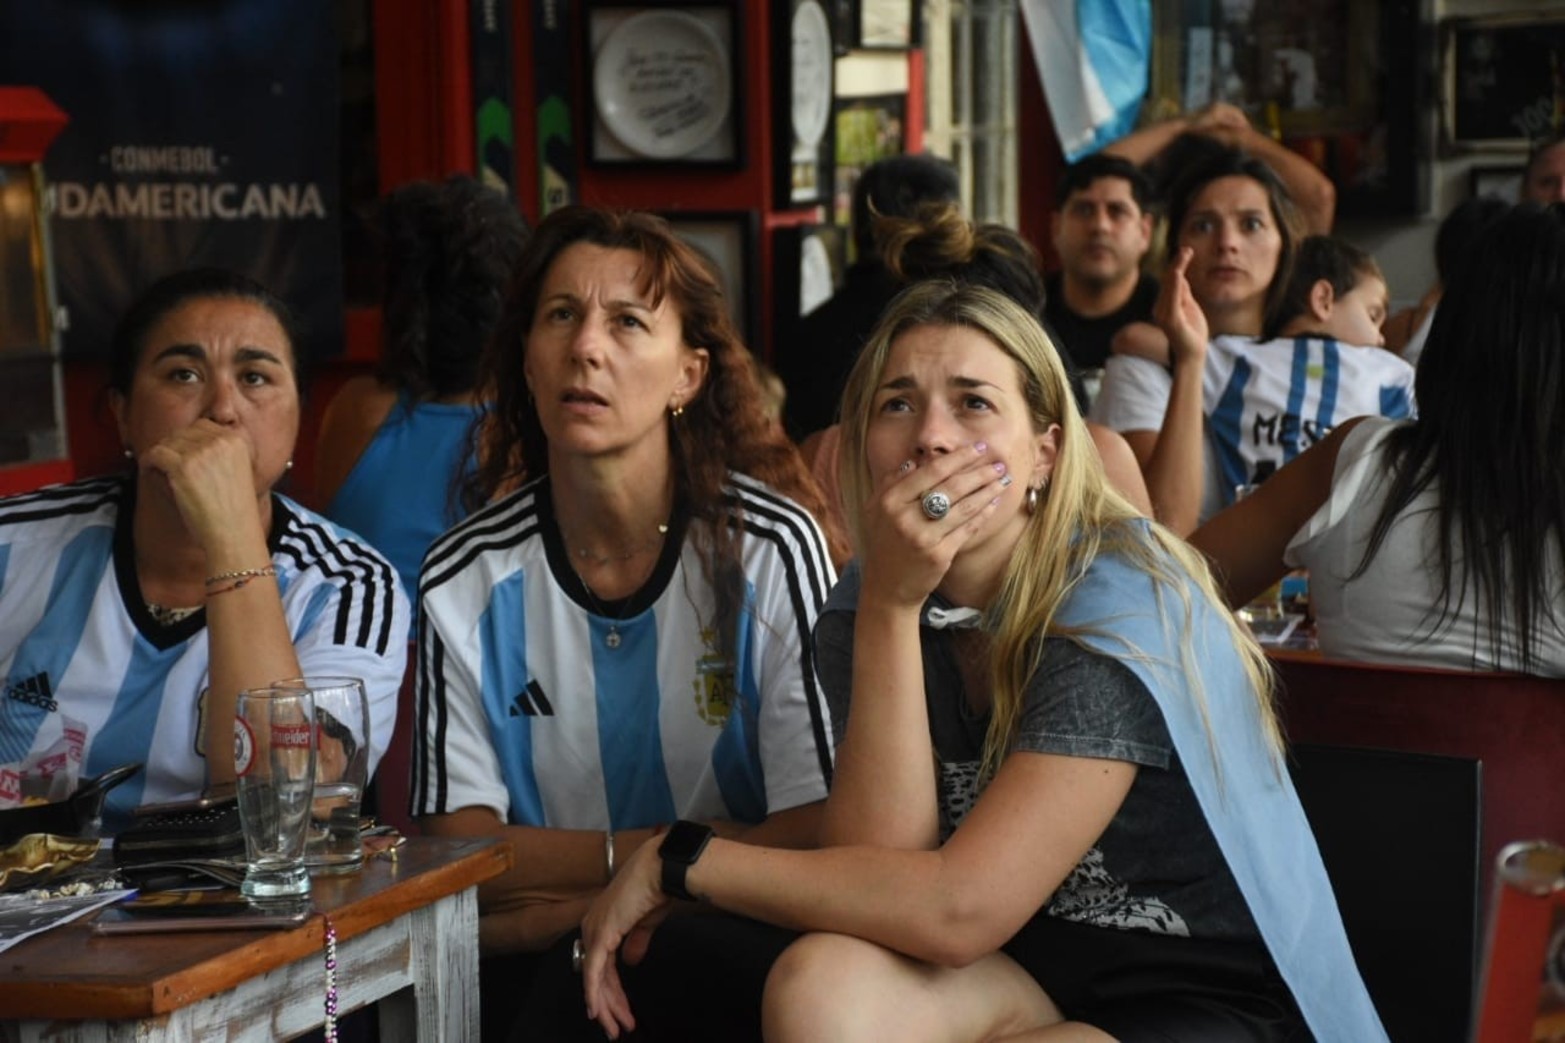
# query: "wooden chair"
1399,836
1512,724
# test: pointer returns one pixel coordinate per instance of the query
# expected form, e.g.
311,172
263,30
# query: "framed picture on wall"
1498,80
810,263
663,84
728,240
801,97
1502,182
887,24
868,129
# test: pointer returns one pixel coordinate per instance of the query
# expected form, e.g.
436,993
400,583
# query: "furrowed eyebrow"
257,355
184,351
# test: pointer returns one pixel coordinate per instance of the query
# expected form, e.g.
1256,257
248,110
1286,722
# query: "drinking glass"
274,757
342,758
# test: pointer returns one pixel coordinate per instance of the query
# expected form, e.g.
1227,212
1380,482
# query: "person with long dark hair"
395,446
621,638
1233,233
1438,541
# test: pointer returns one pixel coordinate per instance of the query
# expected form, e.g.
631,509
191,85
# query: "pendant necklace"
612,638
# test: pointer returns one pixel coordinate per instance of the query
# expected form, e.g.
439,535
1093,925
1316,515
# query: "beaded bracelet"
241,574
235,585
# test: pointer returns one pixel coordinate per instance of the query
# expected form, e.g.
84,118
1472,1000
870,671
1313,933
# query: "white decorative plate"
812,68
661,83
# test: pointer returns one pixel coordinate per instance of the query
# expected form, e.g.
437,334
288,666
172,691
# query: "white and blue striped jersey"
553,709
78,644
1265,401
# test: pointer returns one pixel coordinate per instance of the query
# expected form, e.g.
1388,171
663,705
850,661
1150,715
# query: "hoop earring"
1032,499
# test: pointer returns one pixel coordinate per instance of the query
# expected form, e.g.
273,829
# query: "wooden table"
407,935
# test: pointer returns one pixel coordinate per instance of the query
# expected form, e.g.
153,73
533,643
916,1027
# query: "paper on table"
22,917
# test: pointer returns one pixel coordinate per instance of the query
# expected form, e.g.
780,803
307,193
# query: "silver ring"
578,955
936,504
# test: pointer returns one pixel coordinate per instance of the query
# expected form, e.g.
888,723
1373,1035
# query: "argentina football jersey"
553,708
84,660
1268,401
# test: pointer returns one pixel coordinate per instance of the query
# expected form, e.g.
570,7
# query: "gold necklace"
608,559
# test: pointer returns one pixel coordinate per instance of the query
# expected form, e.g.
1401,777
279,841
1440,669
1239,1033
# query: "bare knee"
824,987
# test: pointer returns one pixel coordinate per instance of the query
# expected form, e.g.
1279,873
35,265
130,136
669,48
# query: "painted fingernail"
980,446
999,467
1005,481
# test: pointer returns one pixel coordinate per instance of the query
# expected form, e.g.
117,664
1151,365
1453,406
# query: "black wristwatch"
680,849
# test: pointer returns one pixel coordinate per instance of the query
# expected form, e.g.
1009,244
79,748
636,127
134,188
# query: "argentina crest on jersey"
715,690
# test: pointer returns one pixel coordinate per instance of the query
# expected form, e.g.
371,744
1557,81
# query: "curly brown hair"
724,428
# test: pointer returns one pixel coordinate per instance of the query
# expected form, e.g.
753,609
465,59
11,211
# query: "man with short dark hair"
1544,181
815,362
1101,229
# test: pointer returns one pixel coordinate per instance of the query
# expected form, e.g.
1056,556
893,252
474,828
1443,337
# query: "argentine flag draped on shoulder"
1093,57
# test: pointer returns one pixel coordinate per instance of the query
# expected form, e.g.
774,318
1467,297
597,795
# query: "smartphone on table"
204,910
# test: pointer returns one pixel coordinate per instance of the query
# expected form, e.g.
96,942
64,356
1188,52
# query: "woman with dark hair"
1233,234
624,639
394,447
134,609
1061,810
1438,541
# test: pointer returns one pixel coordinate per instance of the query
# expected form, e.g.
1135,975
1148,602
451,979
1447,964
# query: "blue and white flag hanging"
1093,57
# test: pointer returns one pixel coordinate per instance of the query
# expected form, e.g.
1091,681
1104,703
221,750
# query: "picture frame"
809,265
867,129
886,25
1497,83
803,82
1502,182
728,240
662,84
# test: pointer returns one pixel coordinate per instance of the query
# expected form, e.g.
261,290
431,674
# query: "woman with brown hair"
624,639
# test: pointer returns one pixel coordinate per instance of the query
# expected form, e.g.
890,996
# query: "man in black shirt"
1102,230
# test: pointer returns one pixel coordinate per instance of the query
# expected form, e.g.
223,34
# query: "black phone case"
202,833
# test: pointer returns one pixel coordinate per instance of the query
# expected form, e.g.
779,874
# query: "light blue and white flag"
1093,57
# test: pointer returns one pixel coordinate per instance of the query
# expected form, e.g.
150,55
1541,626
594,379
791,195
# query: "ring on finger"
936,504
578,955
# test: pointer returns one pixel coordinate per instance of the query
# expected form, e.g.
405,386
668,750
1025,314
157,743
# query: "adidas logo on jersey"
35,691
531,702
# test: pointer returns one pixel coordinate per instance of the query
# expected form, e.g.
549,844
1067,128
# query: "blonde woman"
1060,810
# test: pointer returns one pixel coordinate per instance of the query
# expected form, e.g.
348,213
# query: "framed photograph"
801,94
868,129
728,240
887,25
664,89
1501,182
1498,82
810,263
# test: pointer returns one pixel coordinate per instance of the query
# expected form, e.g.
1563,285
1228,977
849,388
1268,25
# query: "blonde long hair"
1079,516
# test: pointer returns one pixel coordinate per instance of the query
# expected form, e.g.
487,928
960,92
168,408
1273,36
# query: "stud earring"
130,454
288,466
678,410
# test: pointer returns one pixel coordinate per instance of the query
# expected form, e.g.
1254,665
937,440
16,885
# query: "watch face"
684,842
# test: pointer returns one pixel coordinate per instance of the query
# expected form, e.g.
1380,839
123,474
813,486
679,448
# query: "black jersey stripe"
355,564
788,517
476,536
518,509
803,611
61,501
